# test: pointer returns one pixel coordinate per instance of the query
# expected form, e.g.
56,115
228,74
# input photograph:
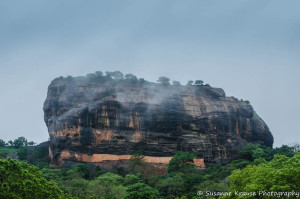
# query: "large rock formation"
98,119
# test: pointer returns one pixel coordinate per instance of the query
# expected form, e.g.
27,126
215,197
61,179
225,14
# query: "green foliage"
22,153
142,81
285,150
2,155
259,160
164,80
215,172
99,171
131,78
77,187
20,180
136,162
265,153
99,73
211,186
69,78
237,164
2,143
153,180
256,171
41,155
253,151
199,82
176,83
171,186
181,162
108,185
296,147
280,174
141,191
189,83
191,179
10,143
110,179
20,142
120,171
117,75
81,170
91,75
31,143
245,101
131,179
6,150
53,173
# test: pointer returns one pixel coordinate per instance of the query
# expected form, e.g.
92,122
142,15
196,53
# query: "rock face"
87,118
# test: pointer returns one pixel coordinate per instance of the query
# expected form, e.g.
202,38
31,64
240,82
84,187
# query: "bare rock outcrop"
89,117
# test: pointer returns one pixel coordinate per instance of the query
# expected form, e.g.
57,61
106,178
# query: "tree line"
119,76
257,168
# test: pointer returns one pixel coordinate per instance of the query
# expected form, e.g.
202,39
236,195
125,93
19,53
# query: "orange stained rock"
50,153
199,162
131,123
134,121
162,160
237,129
97,158
137,136
105,135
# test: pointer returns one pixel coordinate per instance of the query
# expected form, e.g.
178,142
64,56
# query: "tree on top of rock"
189,83
130,77
176,83
116,75
99,73
198,83
164,80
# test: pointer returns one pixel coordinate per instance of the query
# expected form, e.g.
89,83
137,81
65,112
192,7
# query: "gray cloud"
249,48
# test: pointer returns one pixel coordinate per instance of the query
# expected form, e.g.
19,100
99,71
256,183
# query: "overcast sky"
250,48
